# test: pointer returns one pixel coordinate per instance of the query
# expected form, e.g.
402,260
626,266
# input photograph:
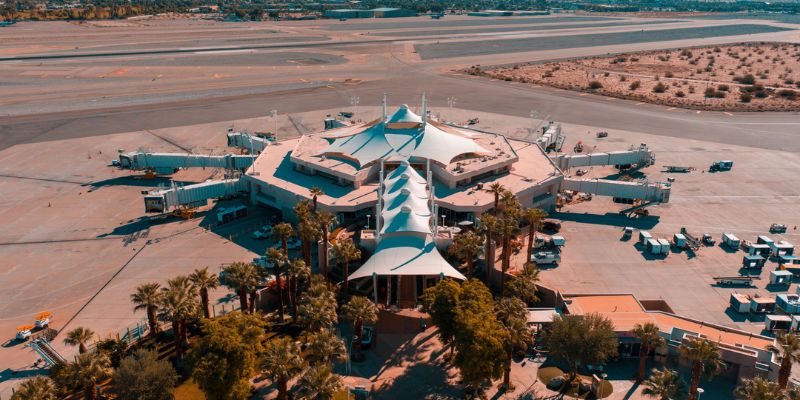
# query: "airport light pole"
274,114
354,100
368,217
700,392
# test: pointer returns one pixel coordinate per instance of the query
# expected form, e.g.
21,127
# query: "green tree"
787,349
579,339
227,355
534,217
38,388
513,317
316,309
278,259
86,371
296,271
178,304
496,189
524,286
241,277
308,232
325,347
325,221
142,376
359,310
650,338
441,302
319,383
480,339
465,248
705,359
315,192
665,384
345,252
114,349
758,389
283,362
148,297
203,281
507,228
79,336
281,233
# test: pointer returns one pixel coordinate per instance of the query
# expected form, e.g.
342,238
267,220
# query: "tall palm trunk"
785,372
346,268
82,348
506,263
293,297
324,260
696,372
204,301
643,352
358,327
283,388
279,283
184,333
252,301
176,338
243,298
152,321
531,239
489,253
470,266
507,372
307,252
90,391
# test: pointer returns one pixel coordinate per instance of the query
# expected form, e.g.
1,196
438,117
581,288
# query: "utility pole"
274,114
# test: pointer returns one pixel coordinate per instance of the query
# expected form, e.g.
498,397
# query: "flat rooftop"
625,311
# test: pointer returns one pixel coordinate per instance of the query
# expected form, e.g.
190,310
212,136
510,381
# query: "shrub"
691,89
548,74
748,79
761,94
723,88
659,88
680,93
745,97
623,78
710,92
634,85
668,74
594,85
720,95
606,74
788,94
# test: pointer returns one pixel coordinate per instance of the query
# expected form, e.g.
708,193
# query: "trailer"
724,165
740,302
780,277
679,240
777,322
759,249
762,305
731,241
677,168
753,261
746,281
691,242
782,248
225,215
764,239
789,303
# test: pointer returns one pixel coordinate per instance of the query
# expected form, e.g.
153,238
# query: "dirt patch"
740,77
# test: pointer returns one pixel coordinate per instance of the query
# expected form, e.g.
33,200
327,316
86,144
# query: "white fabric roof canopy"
406,255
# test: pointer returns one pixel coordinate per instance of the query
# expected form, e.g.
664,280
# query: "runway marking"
639,104
304,80
698,112
671,108
583,94
610,99
330,87
728,114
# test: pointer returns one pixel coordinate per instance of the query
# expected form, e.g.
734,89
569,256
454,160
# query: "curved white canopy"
406,219
406,255
403,135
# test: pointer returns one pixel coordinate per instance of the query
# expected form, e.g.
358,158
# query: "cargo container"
653,247
644,236
777,322
762,304
730,240
740,302
783,248
679,240
780,277
762,250
664,246
763,239
754,261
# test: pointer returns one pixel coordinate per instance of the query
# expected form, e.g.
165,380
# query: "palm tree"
283,362
315,192
466,247
178,304
296,270
651,339
508,228
316,309
359,310
38,388
534,217
148,297
524,286
665,384
241,277
489,223
705,358
319,383
308,231
325,347
79,337
496,189
278,259
325,221
281,233
787,349
513,317
86,371
758,389
346,251
203,280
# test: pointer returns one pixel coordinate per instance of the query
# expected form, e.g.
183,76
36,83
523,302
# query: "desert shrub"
634,59
723,88
680,93
710,92
659,88
621,59
788,94
547,74
668,74
623,78
745,80
761,94
745,97
717,50
594,85
634,85
508,79
686,53
720,95
691,89
606,74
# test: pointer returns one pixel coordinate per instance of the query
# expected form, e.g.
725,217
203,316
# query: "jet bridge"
167,163
254,144
641,156
647,192
163,200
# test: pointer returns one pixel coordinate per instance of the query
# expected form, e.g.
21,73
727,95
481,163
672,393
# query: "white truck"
546,258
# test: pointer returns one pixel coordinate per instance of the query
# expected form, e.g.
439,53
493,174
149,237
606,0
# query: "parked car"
291,244
777,228
602,134
263,232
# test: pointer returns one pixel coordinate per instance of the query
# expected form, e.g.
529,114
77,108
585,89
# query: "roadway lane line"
728,114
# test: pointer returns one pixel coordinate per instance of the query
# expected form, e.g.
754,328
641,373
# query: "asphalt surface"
400,24
527,28
503,46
